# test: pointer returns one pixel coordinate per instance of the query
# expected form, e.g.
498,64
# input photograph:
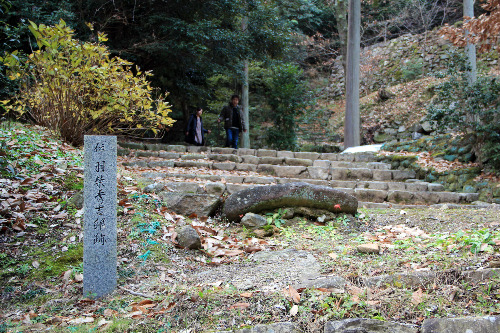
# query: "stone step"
286,171
206,184
412,186
155,150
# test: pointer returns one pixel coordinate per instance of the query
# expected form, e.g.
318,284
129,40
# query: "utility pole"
245,136
352,136
470,49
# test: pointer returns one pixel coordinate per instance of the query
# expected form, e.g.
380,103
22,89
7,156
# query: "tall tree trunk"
470,49
245,136
341,18
352,135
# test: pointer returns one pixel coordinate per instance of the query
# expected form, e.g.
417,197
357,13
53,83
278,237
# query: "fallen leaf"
240,306
333,255
292,293
146,302
110,313
294,310
417,297
246,295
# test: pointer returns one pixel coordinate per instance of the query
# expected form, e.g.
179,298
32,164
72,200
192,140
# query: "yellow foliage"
76,88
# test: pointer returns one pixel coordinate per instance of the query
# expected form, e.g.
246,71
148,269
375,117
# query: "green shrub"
473,109
76,88
287,97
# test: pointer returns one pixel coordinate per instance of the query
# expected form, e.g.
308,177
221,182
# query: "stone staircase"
372,182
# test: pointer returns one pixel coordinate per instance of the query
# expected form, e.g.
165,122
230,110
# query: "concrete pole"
352,122
470,49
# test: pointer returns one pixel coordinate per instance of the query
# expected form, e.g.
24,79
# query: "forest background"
196,50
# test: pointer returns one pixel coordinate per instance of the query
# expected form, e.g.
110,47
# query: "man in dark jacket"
233,121
195,133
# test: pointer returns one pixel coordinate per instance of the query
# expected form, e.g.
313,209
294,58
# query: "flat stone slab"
271,271
362,325
258,199
489,324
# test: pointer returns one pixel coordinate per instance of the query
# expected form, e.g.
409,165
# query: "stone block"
193,156
219,150
298,162
346,190
153,175
435,187
448,197
378,165
307,155
225,157
266,153
343,184
161,164
403,174
468,197
138,164
266,169
245,151
345,157
339,173
360,173
370,195
183,187
192,164
234,179
362,325
322,163
417,187
290,171
169,155
328,156
271,160
364,158
249,159
383,186
285,154
319,172
400,196
215,188
146,153
246,167
198,149
122,151
382,174
485,324
152,146
425,197
259,180
177,148
224,166
187,204
315,182
396,186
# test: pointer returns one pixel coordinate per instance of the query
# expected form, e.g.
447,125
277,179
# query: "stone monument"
99,229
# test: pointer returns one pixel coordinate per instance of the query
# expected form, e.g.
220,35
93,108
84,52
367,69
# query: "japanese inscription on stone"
99,234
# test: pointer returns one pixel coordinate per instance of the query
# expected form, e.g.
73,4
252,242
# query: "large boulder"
264,198
187,204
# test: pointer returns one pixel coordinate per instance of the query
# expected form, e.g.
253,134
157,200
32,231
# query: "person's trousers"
232,135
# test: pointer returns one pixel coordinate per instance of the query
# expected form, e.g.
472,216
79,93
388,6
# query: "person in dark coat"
195,133
233,121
